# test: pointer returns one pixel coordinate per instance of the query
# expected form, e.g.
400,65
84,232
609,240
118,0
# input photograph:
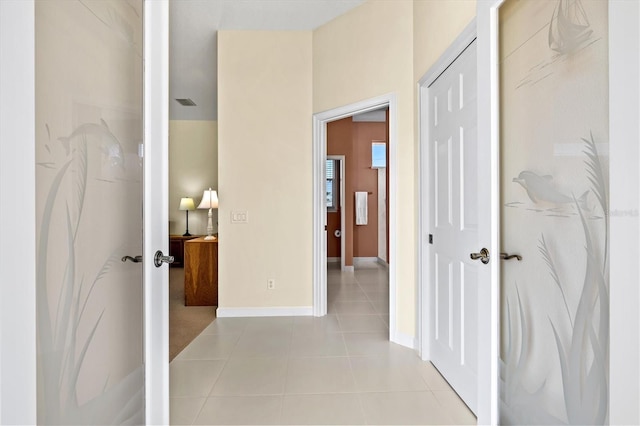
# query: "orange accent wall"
333,223
365,237
353,140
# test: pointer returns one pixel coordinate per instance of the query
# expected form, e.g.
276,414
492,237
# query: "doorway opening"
356,188
320,223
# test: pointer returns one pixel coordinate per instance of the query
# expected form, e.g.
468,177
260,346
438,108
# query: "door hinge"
430,238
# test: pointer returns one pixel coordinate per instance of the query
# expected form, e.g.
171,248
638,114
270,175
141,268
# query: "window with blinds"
332,173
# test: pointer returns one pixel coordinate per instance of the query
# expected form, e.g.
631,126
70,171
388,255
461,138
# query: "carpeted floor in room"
185,322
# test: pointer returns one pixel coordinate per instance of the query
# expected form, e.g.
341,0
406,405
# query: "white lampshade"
209,200
187,204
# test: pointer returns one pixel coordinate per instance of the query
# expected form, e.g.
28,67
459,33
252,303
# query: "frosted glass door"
89,211
554,187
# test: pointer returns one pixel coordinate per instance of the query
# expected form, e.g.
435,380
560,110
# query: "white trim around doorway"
18,389
156,175
343,186
320,121
624,187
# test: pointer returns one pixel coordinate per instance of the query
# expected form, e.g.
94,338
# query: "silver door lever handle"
507,256
160,258
483,256
136,259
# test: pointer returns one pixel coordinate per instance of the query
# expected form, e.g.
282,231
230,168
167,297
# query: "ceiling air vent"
186,102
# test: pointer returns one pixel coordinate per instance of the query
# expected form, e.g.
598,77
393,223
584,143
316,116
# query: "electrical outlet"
271,284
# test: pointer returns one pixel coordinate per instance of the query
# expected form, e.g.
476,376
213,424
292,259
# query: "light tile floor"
340,369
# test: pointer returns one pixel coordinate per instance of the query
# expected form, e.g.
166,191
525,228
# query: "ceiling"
194,25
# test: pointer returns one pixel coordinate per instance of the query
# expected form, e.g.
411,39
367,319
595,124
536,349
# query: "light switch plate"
240,216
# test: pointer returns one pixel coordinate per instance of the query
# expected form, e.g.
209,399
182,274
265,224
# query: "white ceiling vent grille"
186,102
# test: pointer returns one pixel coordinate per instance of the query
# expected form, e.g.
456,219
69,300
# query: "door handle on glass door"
160,258
483,256
136,259
507,256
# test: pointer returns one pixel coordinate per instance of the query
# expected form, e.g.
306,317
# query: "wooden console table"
176,248
201,272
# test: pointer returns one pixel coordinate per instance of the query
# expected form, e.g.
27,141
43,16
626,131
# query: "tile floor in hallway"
339,369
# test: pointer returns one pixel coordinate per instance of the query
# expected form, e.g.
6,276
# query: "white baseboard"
348,268
404,340
275,311
382,262
333,260
361,261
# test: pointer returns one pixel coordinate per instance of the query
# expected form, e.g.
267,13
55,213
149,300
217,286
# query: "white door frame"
624,184
320,121
623,124
17,225
341,159
18,392
156,209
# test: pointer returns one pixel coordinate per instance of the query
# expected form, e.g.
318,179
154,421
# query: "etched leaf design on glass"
583,355
61,354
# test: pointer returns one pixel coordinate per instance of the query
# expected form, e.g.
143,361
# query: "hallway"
337,369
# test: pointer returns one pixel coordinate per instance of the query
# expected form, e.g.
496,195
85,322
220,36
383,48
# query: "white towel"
361,208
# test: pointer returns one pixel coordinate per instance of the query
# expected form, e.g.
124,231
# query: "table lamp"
187,204
209,201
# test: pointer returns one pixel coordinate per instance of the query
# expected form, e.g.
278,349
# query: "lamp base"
186,231
209,226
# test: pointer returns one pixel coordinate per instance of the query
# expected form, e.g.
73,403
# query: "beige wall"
436,24
193,167
366,53
264,115
378,48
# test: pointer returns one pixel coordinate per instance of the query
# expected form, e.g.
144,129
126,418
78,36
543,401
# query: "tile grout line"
379,314
351,357
360,394
208,395
226,361
355,382
193,422
353,376
286,373
205,397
